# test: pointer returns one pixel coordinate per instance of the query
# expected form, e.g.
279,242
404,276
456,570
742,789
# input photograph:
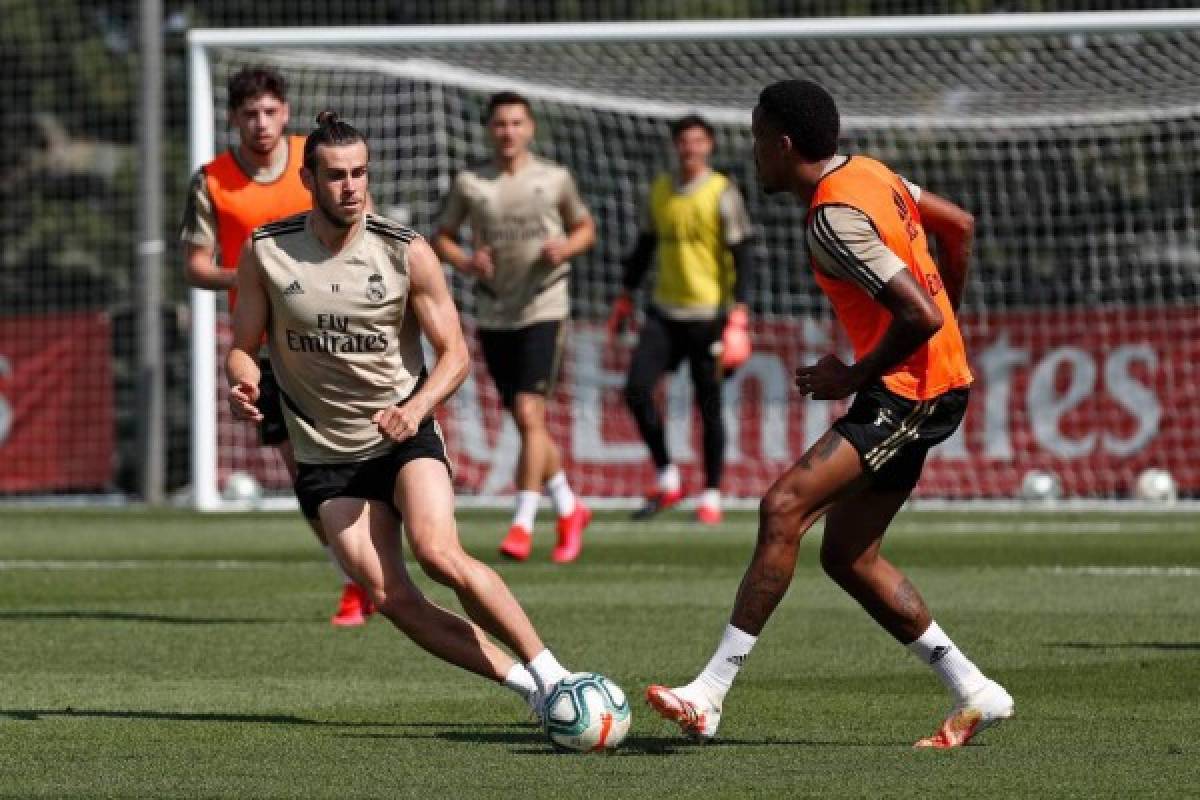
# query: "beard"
334,213
767,183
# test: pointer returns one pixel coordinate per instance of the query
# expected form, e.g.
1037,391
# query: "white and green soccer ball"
587,712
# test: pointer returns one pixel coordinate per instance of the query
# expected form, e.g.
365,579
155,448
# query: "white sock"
711,498
546,670
561,494
668,479
949,663
520,681
723,667
337,565
527,506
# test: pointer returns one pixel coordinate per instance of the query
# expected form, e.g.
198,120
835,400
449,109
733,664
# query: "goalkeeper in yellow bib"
697,221
527,223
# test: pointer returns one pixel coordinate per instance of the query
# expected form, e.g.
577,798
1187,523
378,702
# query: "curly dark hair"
250,82
806,113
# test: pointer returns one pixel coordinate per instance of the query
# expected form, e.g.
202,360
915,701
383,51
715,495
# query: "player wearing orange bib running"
866,234
253,183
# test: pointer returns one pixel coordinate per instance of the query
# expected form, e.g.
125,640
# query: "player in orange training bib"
866,233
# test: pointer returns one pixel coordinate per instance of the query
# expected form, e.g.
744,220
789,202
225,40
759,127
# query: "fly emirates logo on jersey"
334,334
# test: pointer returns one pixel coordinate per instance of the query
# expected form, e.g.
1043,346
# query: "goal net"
1072,138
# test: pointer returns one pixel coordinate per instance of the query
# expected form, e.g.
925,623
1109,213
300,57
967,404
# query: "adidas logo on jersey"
293,288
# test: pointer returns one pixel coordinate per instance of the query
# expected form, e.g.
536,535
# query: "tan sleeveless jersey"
515,215
344,343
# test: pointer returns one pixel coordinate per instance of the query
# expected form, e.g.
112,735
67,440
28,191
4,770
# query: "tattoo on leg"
827,444
821,450
907,601
762,592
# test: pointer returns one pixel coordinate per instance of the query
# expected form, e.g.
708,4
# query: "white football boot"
689,707
974,714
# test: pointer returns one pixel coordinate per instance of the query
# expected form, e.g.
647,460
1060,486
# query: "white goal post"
1044,356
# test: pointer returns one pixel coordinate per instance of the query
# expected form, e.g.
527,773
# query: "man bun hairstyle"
506,99
251,81
686,123
331,131
806,113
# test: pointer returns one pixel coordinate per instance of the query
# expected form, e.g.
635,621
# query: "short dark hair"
506,99
806,113
250,82
330,131
690,121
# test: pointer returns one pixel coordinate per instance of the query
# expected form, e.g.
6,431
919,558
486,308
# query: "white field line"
100,565
1120,572
961,527
65,565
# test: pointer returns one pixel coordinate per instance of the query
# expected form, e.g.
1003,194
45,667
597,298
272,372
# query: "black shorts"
374,479
525,359
664,343
893,434
272,430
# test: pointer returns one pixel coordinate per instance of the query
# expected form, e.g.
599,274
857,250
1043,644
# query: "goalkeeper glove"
735,340
621,315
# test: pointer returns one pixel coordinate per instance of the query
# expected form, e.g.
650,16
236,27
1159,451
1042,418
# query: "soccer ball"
242,490
1039,486
587,712
1156,486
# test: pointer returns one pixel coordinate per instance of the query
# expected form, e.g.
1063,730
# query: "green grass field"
172,655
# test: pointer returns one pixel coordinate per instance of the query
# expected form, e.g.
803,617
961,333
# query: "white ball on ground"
242,490
587,712
1156,485
1040,486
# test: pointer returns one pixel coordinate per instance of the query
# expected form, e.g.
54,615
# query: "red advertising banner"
56,402
1094,396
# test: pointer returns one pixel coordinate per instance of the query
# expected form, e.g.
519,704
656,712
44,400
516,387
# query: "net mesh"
1077,154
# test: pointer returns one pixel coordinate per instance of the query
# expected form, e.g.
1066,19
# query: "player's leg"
354,606
829,470
540,463
364,535
500,353
706,382
425,497
655,354
854,531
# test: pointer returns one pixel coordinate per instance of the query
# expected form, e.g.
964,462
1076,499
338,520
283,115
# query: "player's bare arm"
478,262
580,237
202,270
430,299
954,229
915,318
249,323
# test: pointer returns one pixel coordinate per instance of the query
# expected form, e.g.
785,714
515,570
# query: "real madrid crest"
375,289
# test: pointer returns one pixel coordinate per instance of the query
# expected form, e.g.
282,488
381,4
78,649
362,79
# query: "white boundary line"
1120,572
221,565
67,565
